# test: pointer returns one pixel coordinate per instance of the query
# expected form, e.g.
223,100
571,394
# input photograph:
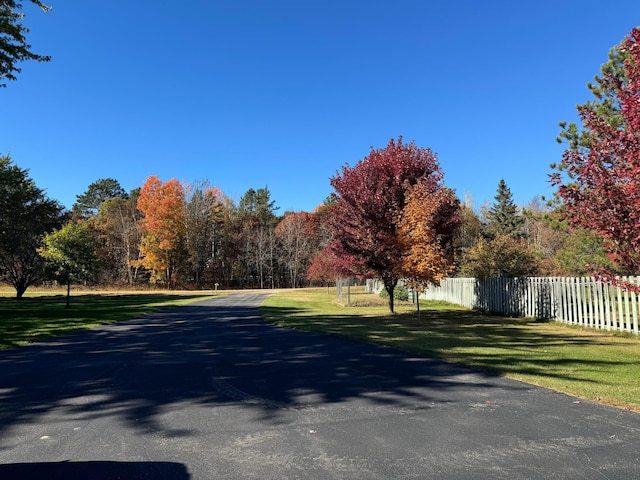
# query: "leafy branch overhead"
13,42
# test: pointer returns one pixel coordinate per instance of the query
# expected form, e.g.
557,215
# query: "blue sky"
254,93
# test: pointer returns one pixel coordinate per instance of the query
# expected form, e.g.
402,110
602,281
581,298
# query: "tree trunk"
68,291
20,291
389,286
21,284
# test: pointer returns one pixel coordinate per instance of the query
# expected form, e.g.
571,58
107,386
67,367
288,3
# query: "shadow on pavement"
215,352
94,471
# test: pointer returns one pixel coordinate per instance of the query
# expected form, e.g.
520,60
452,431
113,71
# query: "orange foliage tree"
162,228
426,229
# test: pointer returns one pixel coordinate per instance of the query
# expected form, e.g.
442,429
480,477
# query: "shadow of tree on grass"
43,316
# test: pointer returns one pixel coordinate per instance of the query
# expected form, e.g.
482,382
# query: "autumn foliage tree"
162,228
370,200
429,220
324,267
601,188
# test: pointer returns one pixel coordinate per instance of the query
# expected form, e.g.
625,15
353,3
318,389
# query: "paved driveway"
210,391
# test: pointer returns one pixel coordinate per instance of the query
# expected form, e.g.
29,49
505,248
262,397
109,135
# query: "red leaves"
371,198
324,267
603,192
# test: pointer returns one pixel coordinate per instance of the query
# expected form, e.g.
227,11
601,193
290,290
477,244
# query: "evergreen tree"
605,103
258,206
256,212
503,218
88,204
26,215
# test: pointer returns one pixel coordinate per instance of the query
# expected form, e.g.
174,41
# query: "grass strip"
589,364
38,316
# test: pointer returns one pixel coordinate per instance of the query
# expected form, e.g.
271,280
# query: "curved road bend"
210,391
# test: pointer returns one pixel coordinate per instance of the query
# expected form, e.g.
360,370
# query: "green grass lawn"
590,364
41,315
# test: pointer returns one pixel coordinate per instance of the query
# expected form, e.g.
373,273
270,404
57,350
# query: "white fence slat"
634,310
575,300
624,325
579,289
599,288
593,304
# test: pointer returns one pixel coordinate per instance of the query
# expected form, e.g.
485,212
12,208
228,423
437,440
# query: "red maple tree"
602,188
371,197
324,267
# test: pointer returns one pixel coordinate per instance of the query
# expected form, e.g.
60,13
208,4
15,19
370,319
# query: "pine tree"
605,103
504,218
26,214
88,204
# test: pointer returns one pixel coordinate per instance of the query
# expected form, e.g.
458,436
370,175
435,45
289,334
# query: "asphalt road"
210,391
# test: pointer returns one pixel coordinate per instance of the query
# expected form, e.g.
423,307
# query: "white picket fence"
577,301
573,300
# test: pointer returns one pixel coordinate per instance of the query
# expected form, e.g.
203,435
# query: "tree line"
388,218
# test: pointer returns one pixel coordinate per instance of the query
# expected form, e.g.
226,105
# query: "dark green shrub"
399,293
